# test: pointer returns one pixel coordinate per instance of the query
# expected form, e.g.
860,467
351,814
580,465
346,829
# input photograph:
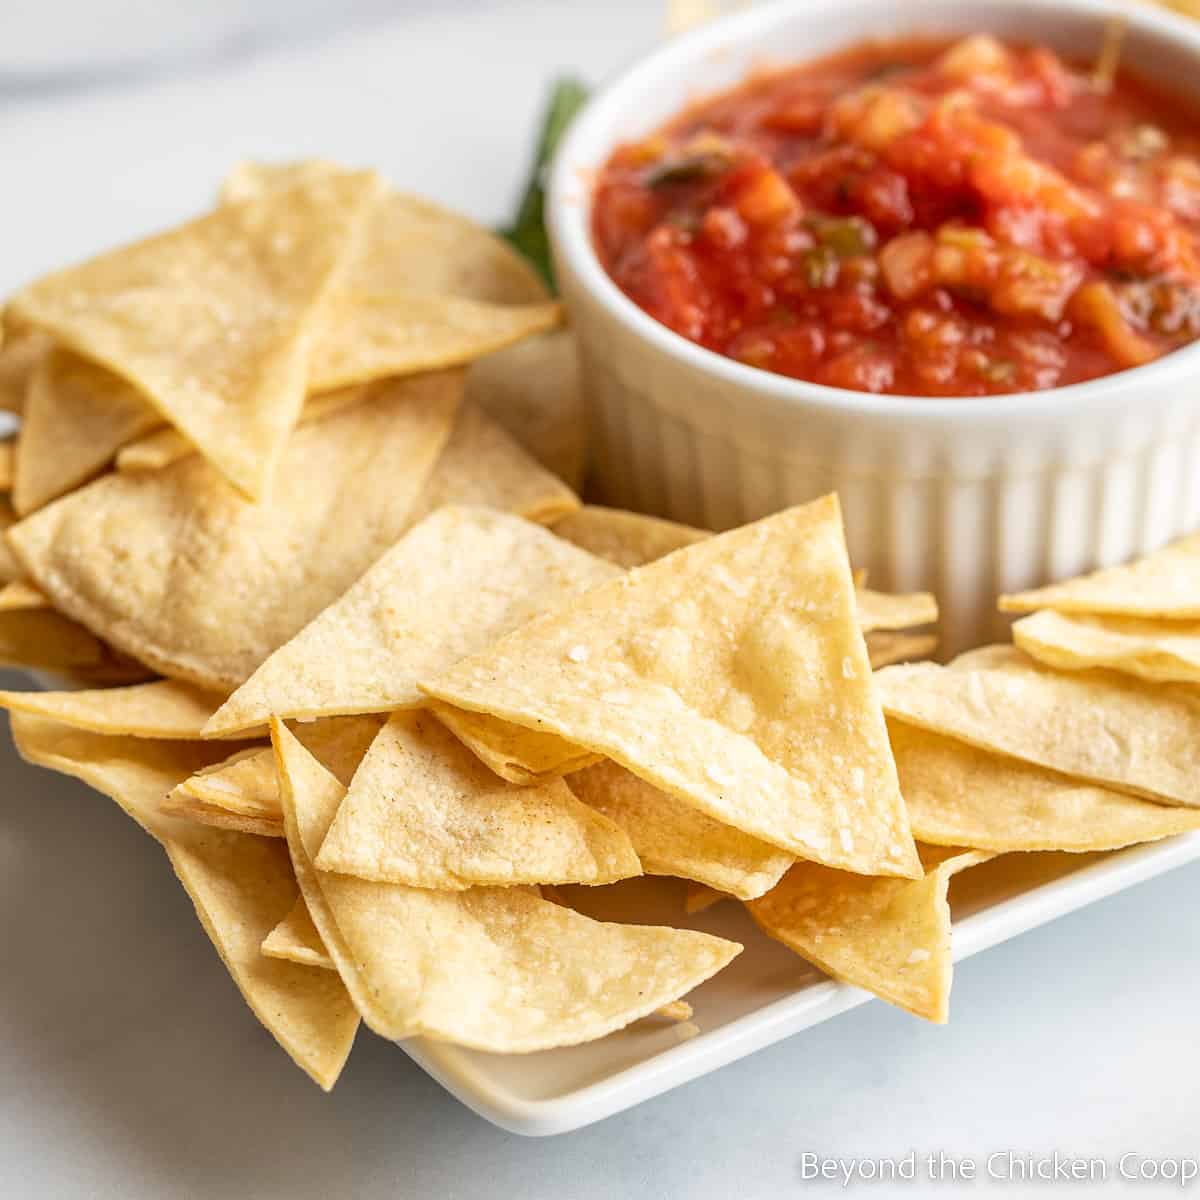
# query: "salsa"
917,217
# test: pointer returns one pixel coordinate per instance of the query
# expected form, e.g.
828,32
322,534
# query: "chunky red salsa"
917,217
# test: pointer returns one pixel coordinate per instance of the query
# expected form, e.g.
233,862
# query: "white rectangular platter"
765,995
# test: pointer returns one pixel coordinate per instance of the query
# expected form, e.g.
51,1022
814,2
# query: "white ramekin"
965,497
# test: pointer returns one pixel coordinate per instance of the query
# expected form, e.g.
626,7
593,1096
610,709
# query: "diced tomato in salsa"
917,217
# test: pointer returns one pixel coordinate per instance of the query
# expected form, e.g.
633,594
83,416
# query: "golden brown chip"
241,885
19,357
882,610
10,569
626,538
176,569
159,313
885,647
696,673
296,939
699,897
1099,726
958,795
452,585
496,969
8,464
673,838
165,708
77,416
889,936
532,391
19,594
424,811
1163,584
1150,648
44,640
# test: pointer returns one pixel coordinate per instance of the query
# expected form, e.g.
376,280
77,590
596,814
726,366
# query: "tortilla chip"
496,969
10,569
673,838
8,463
21,595
889,936
522,756
159,313
176,569
165,708
1098,726
697,673
626,538
958,795
422,810
482,465
452,585
885,647
167,445
77,416
241,885
44,640
296,939
699,897
1163,584
243,791
533,391
881,610
1168,651
19,357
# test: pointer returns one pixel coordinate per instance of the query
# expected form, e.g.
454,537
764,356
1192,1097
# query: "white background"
130,1066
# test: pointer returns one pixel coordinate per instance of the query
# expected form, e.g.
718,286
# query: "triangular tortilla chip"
958,795
160,313
424,811
699,897
167,445
296,939
628,539
10,569
45,640
483,465
883,610
730,674
241,885
19,356
8,464
1163,584
496,969
20,595
522,756
889,936
452,585
1168,651
885,647
673,838
165,708
532,390
1099,726
176,569
77,416
243,791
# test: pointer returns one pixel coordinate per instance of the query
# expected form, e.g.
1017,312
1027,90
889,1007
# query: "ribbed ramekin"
965,497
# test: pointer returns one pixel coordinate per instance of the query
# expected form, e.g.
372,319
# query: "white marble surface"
131,1068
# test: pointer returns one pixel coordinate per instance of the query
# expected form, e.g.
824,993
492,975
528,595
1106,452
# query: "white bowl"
965,497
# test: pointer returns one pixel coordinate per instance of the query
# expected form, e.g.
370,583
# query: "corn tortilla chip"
19,357
482,465
881,610
885,647
522,756
699,897
453,584
241,885
167,445
1152,649
673,838
958,795
626,538
1098,726
159,314
532,390
10,569
176,569
8,464
77,416
43,639
496,969
20,594
422,810
296,939
1163,584
730,674
165,708
889,936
